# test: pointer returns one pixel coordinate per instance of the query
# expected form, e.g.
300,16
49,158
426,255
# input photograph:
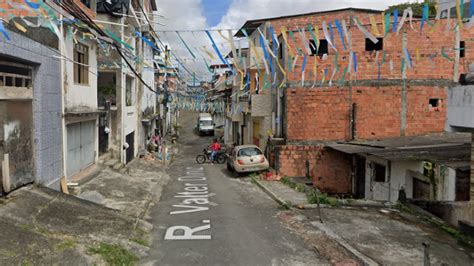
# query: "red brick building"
398,88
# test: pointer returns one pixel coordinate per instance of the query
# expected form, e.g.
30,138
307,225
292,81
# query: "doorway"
360,177
129,153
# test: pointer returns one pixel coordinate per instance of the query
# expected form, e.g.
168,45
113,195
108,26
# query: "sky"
232,14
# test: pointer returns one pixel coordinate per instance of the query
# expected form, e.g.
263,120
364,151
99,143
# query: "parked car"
247,159
205,124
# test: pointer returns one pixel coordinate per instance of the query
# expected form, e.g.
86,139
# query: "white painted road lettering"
188,232
195,196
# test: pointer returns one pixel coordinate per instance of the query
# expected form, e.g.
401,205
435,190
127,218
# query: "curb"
270,193
363,258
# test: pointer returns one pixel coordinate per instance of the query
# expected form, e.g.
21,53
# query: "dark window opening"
462,49
370,46
434,102
321,50
379,172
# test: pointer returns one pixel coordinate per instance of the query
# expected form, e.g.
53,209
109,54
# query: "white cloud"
242,10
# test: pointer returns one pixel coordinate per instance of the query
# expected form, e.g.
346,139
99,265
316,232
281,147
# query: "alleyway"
244,230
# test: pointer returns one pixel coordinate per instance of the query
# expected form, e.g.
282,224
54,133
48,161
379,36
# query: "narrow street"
243,227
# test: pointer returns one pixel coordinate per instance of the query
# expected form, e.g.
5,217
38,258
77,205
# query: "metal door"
80,146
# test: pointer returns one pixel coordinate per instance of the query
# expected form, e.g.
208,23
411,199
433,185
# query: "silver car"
247,159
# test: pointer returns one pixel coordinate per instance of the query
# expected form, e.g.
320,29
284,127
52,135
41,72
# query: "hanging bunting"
344,73
346,34
306,44
265,43
315,71
407,13
303,70
341,33
395,20
313,36
294,42
186,45
331,32
364,31
355,62
255,53
445,55
458,13
266,55
425,16
33,4
373,23
471,9
211,56
150,43
387,24
118,39
326,35
408,58
285,39
219,53
324,76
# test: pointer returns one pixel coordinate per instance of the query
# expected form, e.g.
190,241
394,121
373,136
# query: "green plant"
114,254
140,241
323,199
66,244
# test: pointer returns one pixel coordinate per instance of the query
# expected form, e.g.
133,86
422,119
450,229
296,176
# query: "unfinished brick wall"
330,170
323,114
421,119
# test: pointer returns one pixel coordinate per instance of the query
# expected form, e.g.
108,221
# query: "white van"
205,124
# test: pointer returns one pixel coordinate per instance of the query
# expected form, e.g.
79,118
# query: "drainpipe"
389,166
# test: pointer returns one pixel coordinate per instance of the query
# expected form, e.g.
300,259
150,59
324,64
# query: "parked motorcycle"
206,157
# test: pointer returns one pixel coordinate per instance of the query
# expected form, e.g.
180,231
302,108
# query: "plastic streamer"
285,39
471,9
151,44
355,62
208,53
265,53
458,13
395,20
265,42
305,41
303,69
32,4
186,45
407,13
366,33
346,33
118,39
424,16
294,42
344,74
387,24
373,23
313,35
219,53
445,55
331,32
341,33
315,71
4,31
49,11
17,25
326,35
408,58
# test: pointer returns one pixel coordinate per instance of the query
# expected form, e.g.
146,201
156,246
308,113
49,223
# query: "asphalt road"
243,227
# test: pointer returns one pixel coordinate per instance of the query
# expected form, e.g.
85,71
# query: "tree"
416,7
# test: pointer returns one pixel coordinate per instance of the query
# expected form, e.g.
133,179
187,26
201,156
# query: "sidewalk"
372,236
105,223
132,192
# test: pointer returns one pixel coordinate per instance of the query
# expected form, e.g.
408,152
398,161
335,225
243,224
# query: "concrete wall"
47,130
81,97
461,107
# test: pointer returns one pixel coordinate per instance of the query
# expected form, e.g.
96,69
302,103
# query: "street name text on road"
195,196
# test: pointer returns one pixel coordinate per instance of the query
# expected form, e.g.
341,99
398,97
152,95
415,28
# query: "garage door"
80,146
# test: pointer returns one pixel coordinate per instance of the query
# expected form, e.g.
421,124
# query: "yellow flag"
19,26
375,30
285,38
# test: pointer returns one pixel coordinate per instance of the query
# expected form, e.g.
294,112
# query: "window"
129,91
14,74
370,46
81,64
379,172
248,152
434,103
462,49
321,50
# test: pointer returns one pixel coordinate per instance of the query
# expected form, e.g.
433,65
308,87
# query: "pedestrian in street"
215,148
